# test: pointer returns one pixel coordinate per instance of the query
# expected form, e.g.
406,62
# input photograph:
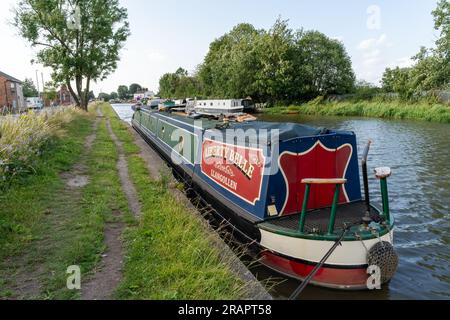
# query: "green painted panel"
183,142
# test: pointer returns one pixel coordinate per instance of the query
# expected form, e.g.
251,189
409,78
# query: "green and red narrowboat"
294,190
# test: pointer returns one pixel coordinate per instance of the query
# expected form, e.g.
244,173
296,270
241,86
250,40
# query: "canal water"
419,155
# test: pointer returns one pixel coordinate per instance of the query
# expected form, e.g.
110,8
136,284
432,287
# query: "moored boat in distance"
294,190
220,107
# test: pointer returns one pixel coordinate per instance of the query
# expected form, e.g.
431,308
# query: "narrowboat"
293,190
218,107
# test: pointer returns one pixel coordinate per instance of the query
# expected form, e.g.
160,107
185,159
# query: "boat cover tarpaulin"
287,131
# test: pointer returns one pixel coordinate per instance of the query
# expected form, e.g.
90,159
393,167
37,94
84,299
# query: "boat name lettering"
232,156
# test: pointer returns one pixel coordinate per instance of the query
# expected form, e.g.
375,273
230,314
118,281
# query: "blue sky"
168,34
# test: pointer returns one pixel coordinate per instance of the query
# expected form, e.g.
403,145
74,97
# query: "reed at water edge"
395,109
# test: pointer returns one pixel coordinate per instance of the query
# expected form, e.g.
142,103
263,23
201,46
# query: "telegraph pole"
37,82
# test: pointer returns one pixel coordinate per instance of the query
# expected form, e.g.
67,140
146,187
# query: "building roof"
8,77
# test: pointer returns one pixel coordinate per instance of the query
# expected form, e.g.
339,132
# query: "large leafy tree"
135,88
229,69
179,85
275,54
29,89
123,92
79,39
323,65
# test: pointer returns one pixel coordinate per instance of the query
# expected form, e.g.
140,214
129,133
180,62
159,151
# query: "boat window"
163,129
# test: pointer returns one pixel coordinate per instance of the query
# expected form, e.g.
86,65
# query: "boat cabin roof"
287,131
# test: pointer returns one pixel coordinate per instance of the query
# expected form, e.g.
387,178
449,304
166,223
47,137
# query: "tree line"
281,65
431,69
123,92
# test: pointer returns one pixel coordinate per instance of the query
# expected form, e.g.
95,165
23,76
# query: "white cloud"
372,43
156,56
372,61
338,38
404,62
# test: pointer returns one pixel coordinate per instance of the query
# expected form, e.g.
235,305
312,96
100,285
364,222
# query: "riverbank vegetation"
285,67
379,109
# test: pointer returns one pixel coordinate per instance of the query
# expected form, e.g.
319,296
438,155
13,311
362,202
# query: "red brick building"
64,97
11,95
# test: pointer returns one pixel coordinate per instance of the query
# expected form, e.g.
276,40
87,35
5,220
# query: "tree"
50,93
398,80
231,65
113,96
80,40
442,52
275,65
104,96
179,85
324,66
135,88
28,88
123,92
275,52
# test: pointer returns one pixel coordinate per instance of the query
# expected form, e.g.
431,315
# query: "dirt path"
109,273
28,270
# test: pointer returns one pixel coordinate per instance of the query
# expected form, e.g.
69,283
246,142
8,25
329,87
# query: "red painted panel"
238,169
320,163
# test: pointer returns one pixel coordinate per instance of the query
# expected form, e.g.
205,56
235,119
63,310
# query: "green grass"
378,109
81,240
47,227
169,255
25,203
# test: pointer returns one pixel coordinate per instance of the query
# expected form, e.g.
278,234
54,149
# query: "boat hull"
333,277
346,268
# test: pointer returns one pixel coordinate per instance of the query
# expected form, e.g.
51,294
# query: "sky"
167,34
